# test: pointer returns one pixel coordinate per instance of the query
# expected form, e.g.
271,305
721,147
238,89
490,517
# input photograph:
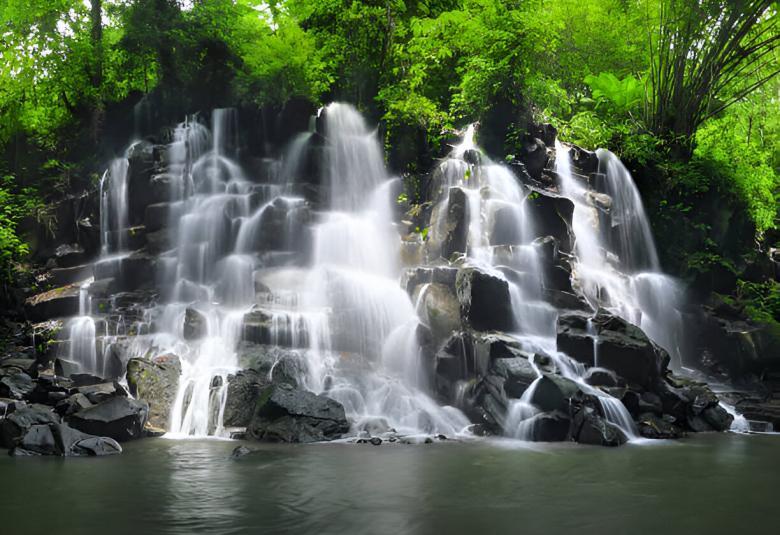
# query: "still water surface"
709,484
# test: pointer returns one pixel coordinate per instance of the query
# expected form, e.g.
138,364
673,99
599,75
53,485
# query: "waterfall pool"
711,483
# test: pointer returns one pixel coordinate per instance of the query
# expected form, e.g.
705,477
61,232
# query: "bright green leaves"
623,96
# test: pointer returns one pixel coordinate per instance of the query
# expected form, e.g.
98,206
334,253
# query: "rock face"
37,430
484,300
155,382
620,347
284,414
120,418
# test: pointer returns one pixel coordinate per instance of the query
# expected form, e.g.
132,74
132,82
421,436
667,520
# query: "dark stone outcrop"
57,303
484,300
285,414
622,347
195,325
120,418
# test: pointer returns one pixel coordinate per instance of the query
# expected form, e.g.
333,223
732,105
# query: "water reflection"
707,484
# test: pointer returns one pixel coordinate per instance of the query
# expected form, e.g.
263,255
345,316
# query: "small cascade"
618,267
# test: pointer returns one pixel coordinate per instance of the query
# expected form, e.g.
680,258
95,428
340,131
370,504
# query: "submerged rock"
284,414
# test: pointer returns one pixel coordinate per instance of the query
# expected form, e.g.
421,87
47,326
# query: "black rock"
194,324
588,427
484,300
16,386
240,451
22,419
284,414
120,418
653,426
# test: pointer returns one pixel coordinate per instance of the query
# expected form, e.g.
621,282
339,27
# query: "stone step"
68,275
57,303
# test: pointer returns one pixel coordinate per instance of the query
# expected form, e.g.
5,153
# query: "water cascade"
501,239
617,261
300,267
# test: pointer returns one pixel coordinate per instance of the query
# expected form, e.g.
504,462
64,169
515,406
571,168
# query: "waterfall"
617,261
243,244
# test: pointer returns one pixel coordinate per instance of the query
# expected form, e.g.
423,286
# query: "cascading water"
617,263
501,239
246,261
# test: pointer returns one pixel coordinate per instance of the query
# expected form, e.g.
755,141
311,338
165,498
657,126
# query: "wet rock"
128,272
36,440
454,230
62,440
375,441
240,451
533,154
554,393
653,426
693,405
22,419
97,393
119,417
155,382
69,255
550,426
73,404
622,347
414,277
588,427
374,426
57,303
442,311
65,367
763,410
195,324
484,300
552,216
284,414
601,377
518,374
277,364
243,390
16,386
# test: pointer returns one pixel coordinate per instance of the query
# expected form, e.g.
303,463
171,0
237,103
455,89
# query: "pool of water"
711,483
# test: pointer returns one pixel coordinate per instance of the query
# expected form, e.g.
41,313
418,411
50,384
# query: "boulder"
549,426
195,324
285,414
155,382
62,440
16,386
243,390
120,418
622,347
653,426
57,303
533,154
555,393
453,233
22,419
588,427
552,216
442,311
484,300
275,364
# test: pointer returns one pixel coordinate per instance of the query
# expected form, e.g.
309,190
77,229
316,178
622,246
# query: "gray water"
709,484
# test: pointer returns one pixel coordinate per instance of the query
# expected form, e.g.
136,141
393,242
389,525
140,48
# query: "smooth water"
718,483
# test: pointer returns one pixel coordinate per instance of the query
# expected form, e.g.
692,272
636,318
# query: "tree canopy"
657,81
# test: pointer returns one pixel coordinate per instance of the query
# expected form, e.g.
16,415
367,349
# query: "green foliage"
761,301
623,96
15,204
